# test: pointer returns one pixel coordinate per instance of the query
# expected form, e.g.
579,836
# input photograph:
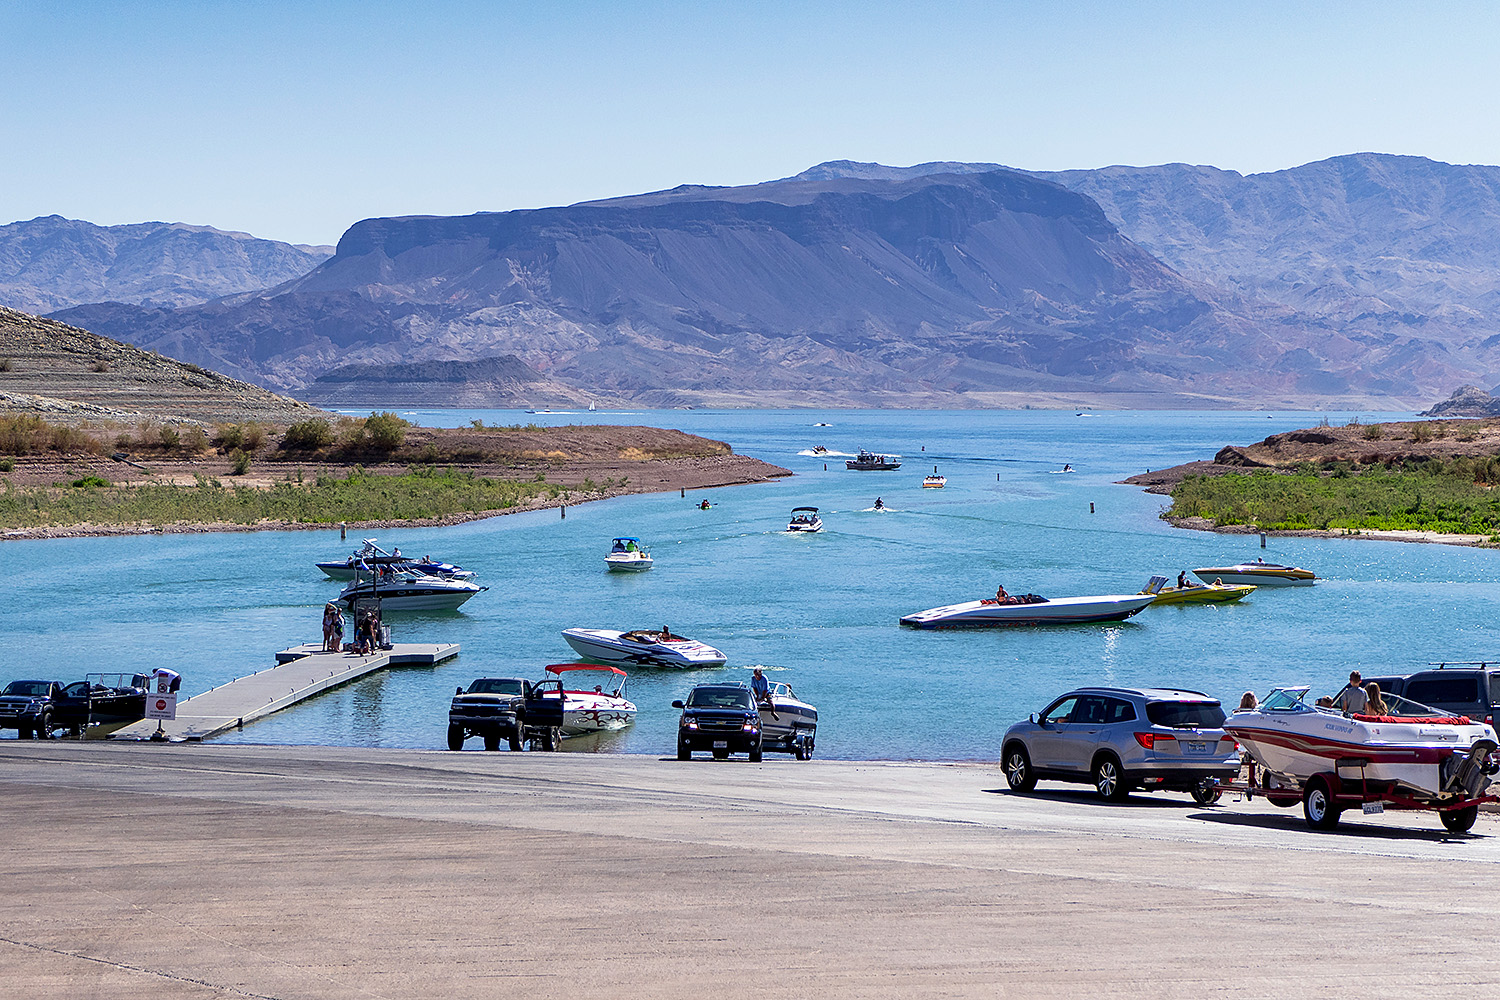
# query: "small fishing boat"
1029,610
593,697
626,555
407,590
1411,755
1195,593
934,481
641,647
788,724
868,461
373,556
805,519
1258,573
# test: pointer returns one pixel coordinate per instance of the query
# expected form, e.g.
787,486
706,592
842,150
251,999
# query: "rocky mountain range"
1358,280
52,263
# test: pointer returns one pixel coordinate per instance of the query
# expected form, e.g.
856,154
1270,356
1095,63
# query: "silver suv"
1122,739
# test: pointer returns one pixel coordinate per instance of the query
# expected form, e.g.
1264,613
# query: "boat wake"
879,510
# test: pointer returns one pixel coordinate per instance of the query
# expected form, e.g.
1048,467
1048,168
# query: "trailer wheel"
1459,820
492,740
455,737
755,754
1318,807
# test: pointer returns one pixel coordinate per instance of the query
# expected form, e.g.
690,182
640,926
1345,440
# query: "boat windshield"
116,682
592,682
1395,705
1286,700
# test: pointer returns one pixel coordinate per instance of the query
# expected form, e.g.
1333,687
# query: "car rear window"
1452,690
1185,714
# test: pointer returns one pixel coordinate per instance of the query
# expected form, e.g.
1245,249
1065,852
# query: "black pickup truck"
40,708
517,710
29,708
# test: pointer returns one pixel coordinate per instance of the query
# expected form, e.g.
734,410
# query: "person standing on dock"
330,616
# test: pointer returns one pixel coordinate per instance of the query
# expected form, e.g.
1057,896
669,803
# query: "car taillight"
1149,740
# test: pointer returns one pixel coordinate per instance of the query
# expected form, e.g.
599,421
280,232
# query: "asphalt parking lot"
205,871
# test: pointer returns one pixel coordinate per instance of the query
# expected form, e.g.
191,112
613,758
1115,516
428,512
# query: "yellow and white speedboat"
1213,593
1261,574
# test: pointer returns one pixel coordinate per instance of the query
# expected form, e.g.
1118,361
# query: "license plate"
1371,808
1195,746
721,743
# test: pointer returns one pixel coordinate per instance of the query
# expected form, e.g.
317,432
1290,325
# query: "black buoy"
564,511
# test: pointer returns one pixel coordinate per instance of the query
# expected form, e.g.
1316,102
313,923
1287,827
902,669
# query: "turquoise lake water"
817,611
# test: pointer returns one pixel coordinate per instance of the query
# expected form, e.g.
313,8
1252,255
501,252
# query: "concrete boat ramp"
300,673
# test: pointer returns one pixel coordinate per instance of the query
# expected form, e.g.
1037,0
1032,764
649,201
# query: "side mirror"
677,704
459,691
1033,718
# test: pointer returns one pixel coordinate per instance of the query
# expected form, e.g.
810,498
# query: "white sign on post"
161,706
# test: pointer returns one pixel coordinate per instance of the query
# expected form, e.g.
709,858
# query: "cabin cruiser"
641,646
626,555
1258,573
593,697
407,590
788,724
372,556
934,481
1411,748
805,519
868,461
1029,610
1195,593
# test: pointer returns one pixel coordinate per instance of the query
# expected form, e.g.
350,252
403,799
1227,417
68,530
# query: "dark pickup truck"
40,708
516,710
1471,689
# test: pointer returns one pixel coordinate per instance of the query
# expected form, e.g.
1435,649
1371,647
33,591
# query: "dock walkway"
300,673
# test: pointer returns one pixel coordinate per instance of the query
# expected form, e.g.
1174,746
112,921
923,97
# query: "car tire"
1459,820
1109,779
684,752
1318,807
1018,773
517,740
551,739
455,737
756,752
492,741
44,725
1206,792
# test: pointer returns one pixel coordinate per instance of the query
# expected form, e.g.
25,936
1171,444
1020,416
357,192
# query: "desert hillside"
65,374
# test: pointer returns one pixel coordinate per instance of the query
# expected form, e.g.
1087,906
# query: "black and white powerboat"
868,461
641,646
372,556
407,590
788,724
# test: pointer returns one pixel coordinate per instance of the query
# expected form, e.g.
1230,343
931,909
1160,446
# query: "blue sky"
294,120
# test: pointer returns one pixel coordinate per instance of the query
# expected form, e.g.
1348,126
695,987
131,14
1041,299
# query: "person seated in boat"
1325,702
667,636
704,505
1218,581
1352,700
1001,597
630,546
761,688
1374,703
1182,581
619,546
879,504
1248,702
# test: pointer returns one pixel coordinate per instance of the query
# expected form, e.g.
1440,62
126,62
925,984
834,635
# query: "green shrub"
1374,432
194,440
253,436
229,436
308,435
240,461
386,431
7,464
88,482
1421,433
170,436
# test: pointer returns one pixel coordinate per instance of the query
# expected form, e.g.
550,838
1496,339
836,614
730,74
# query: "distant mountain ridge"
1365,278
52,263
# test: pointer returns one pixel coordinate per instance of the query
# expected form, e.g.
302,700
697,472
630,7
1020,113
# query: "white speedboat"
805,519
593,697
1259,574
643,647
1030,610
372,556
406,590
1413,748
934,481
627,555
788,724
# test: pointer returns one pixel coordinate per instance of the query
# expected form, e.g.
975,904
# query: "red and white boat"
1413,756
593,697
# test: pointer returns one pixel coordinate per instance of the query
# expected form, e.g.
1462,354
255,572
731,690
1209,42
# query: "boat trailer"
1325,796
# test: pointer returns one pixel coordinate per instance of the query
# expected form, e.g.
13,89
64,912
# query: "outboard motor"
1469,774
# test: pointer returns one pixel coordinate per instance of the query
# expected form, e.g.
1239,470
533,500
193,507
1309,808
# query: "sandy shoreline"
658,476
1427,537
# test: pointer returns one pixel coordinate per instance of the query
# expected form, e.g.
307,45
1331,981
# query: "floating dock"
301,672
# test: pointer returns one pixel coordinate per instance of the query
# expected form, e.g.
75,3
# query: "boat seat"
1422,720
